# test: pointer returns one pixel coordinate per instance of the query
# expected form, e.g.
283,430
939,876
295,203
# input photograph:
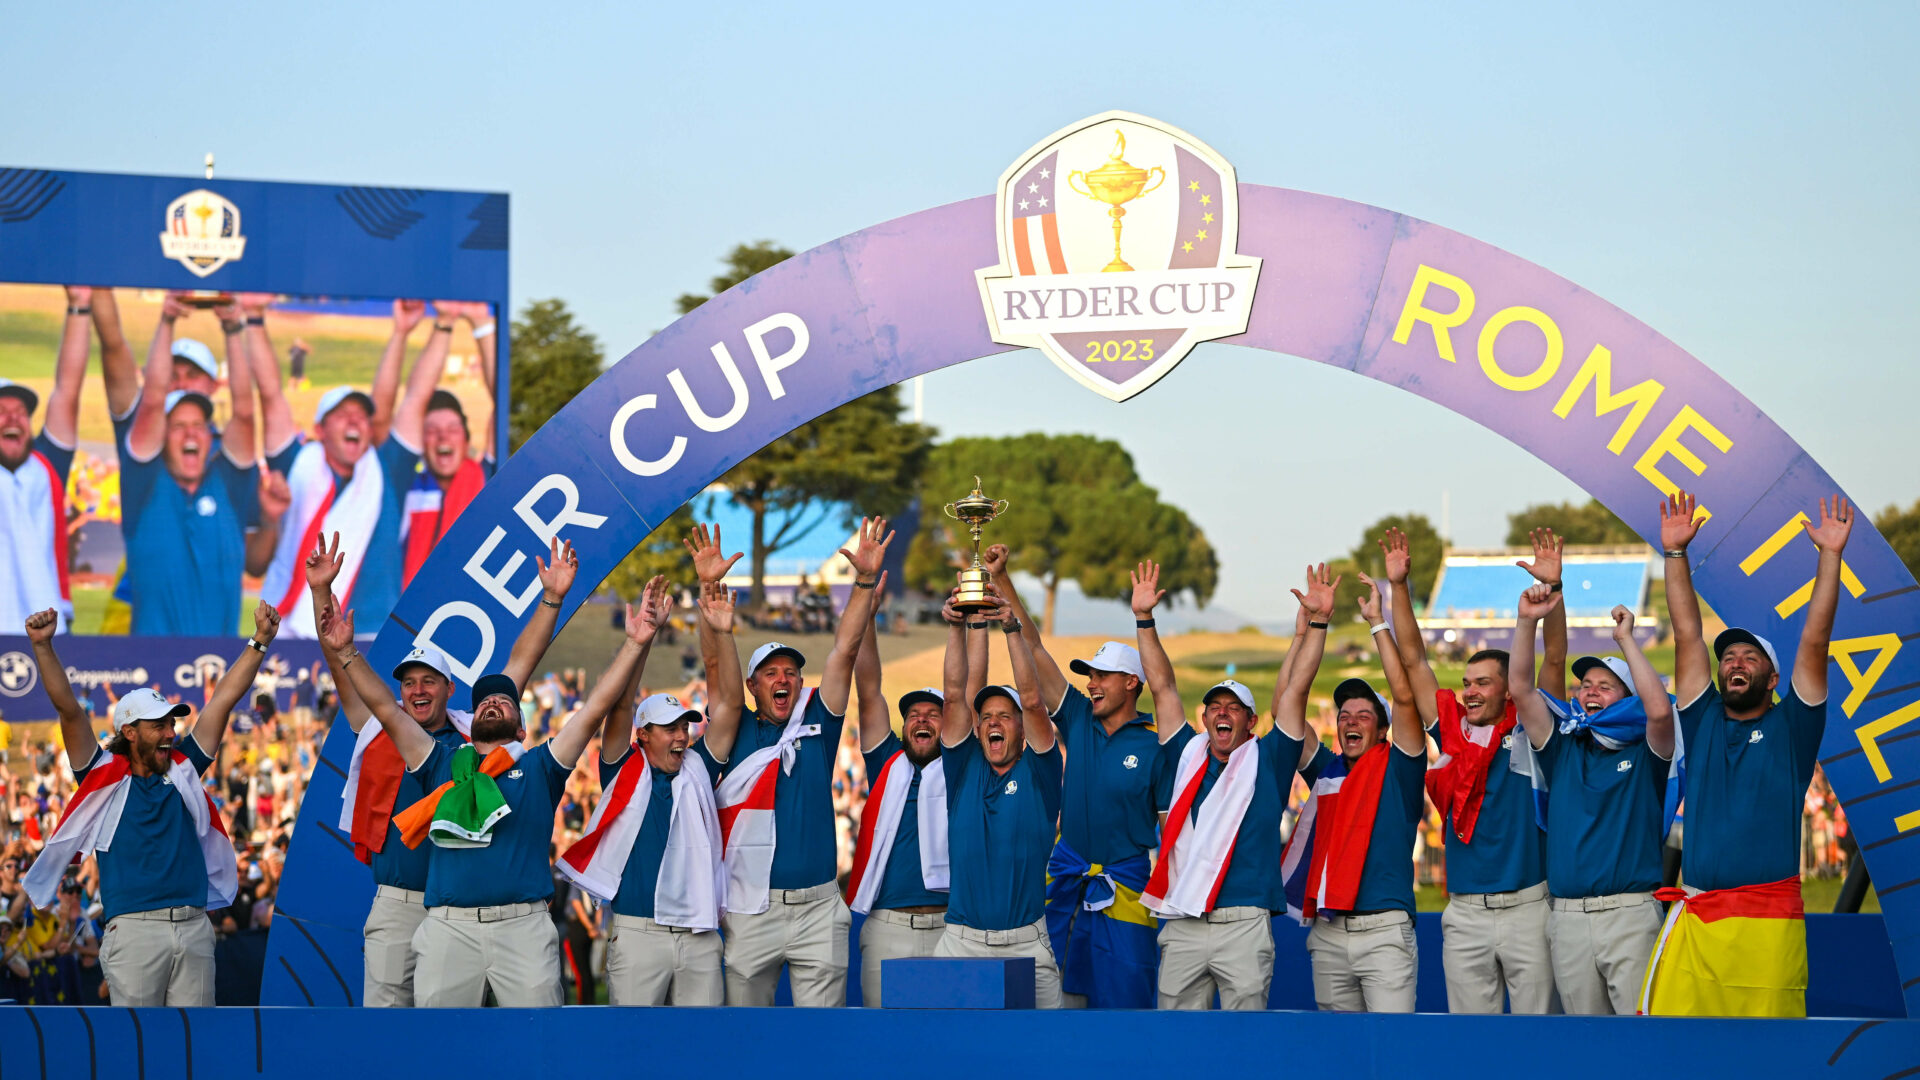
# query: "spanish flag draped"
1730,952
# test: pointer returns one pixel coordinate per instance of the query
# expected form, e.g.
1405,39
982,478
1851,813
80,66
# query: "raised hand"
230,312
1399,560
1836,524
266,622
253,303
79,295
407,315
556,575
1146,588
174,307
716,606
324,563
703,544
336,626
646,620
1547,551
995,559
1299,620
1369,602
41,625
953,615
1537,601
1677,524
275,496
1622,622
1318,599
870,549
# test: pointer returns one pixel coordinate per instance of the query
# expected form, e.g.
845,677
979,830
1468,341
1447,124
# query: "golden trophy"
1116,183
975,510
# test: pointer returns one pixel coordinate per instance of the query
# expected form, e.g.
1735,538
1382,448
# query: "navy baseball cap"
488,685
914,697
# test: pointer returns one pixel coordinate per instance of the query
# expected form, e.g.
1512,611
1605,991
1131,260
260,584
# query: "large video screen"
167,457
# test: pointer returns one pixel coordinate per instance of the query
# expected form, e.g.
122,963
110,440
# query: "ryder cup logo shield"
203,232
1117,252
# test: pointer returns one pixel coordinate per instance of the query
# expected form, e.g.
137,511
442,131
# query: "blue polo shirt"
377,588
515,867
1605,816
1386,879
999,834
1253,876
395,863
1108,813
804,844
641,877
1509,849
1746,789
901,885
162,866
186,551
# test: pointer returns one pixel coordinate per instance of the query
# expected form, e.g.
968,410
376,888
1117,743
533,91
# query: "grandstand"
1477,594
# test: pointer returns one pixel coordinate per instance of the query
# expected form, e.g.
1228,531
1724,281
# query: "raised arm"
719,653
574,735
654,609
1692,664
323,565
117,368
1035,721
237,441
149,431
1052,684
410,416
211,725
277,427
1412,645
979,657
76,726
1286,663
61,421
869,551
1810,660
1545,568
1167,706
264,540
1536,603
1303,658
875,719
1646,684
556,577
956,718
386,377
336,639
1409,729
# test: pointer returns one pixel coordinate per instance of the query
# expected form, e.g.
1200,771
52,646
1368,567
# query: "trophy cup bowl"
974,511
1115,184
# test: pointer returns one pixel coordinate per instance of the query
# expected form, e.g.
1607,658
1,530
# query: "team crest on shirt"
1506,743
1623,766
1117,239
203,232
515,774
1012,787
1756,736
1131,761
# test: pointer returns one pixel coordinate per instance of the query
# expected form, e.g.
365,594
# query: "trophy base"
973,591
1115,265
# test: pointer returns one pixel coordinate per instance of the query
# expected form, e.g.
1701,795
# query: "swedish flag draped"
1104,938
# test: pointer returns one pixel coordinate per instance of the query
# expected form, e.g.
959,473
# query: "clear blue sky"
1741,177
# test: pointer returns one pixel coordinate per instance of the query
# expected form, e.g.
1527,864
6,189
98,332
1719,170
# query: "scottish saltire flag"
1620,724
1036,234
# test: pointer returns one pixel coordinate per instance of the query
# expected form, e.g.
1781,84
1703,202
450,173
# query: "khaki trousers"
1364,963
388,950
1227,949
803,929
894,935
1493,947
652,964
1030,940
513,948
161,957
1601,945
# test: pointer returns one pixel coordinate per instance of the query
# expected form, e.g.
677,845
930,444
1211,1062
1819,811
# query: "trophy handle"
1084,191
999,507
949,512
1157,183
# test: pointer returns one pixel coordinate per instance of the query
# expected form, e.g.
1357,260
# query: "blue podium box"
927,982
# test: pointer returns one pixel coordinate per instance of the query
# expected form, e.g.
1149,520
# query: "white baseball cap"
331,400
1233,686
914,697
145,704
426,656
995,690
661,710
1735,635
197,354
771,649
1113,656
1612,663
